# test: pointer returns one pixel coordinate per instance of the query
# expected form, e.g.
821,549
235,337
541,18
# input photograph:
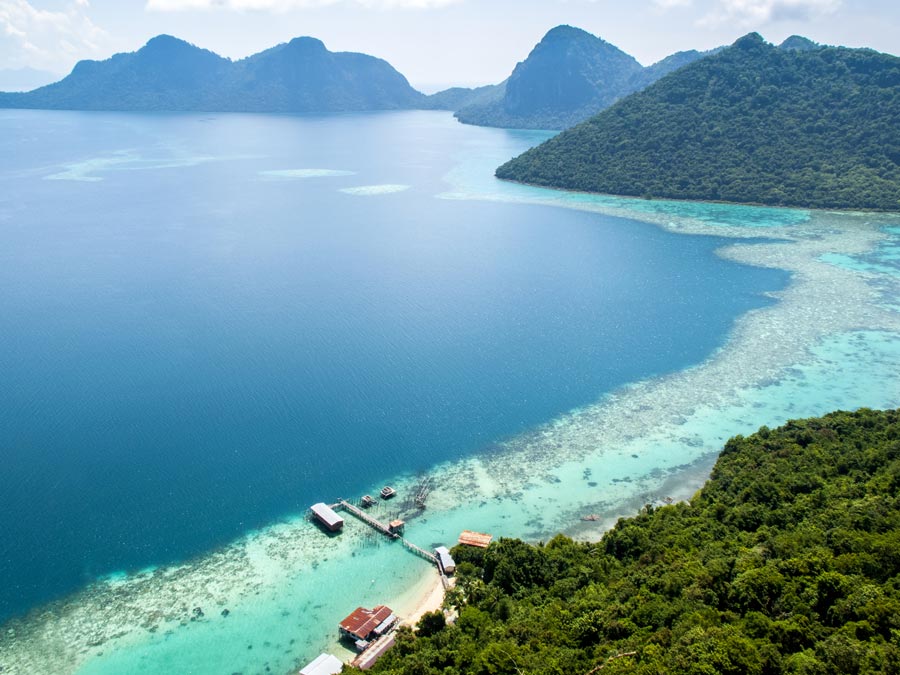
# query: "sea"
209,322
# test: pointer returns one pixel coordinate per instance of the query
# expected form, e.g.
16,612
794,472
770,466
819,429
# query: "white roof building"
448,566
324,664
326,515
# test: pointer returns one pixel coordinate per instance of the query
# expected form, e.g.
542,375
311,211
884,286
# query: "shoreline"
429,600
843,210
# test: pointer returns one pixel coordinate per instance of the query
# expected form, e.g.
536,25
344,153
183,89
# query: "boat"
387,492
591,517
367,501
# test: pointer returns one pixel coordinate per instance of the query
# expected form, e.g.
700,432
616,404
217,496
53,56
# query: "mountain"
303,76
569,76
171,74
24,79
165,74
753,124
799,43
786,562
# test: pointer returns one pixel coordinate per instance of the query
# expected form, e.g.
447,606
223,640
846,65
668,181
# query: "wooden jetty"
388,531
368,520
430,557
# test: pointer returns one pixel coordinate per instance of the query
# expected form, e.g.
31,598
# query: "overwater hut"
478,539
396,526
323,664
326,515
364,624
445,560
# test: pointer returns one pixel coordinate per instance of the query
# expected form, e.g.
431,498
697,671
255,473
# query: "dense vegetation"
569,76
814,127
170,74
787,561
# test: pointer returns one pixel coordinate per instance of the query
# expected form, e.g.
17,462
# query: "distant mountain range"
171,74
796,125
569,76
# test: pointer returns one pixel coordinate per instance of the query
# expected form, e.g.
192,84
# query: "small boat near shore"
387,492
591,517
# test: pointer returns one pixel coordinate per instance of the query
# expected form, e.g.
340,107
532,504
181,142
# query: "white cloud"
669,4
47,40
287,5
758,12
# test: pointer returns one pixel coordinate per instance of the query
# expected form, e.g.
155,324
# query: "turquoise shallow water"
476,162
829,339
880,261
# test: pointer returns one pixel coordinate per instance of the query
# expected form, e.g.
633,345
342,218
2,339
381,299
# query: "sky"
435,43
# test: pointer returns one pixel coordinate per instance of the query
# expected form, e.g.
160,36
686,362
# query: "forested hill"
171,74
787,561
813,127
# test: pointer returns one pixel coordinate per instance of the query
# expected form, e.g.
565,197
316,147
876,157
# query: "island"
810,127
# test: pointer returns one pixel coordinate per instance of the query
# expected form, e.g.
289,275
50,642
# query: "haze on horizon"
435,43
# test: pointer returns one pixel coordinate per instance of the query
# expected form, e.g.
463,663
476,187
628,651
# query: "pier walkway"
385,530
420,552
367,519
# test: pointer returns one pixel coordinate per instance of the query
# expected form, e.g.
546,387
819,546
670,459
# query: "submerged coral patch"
288,174
91,170
373,190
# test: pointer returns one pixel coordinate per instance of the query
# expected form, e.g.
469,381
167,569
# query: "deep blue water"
189,350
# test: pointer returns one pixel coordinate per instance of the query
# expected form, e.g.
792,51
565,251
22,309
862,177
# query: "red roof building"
367,624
